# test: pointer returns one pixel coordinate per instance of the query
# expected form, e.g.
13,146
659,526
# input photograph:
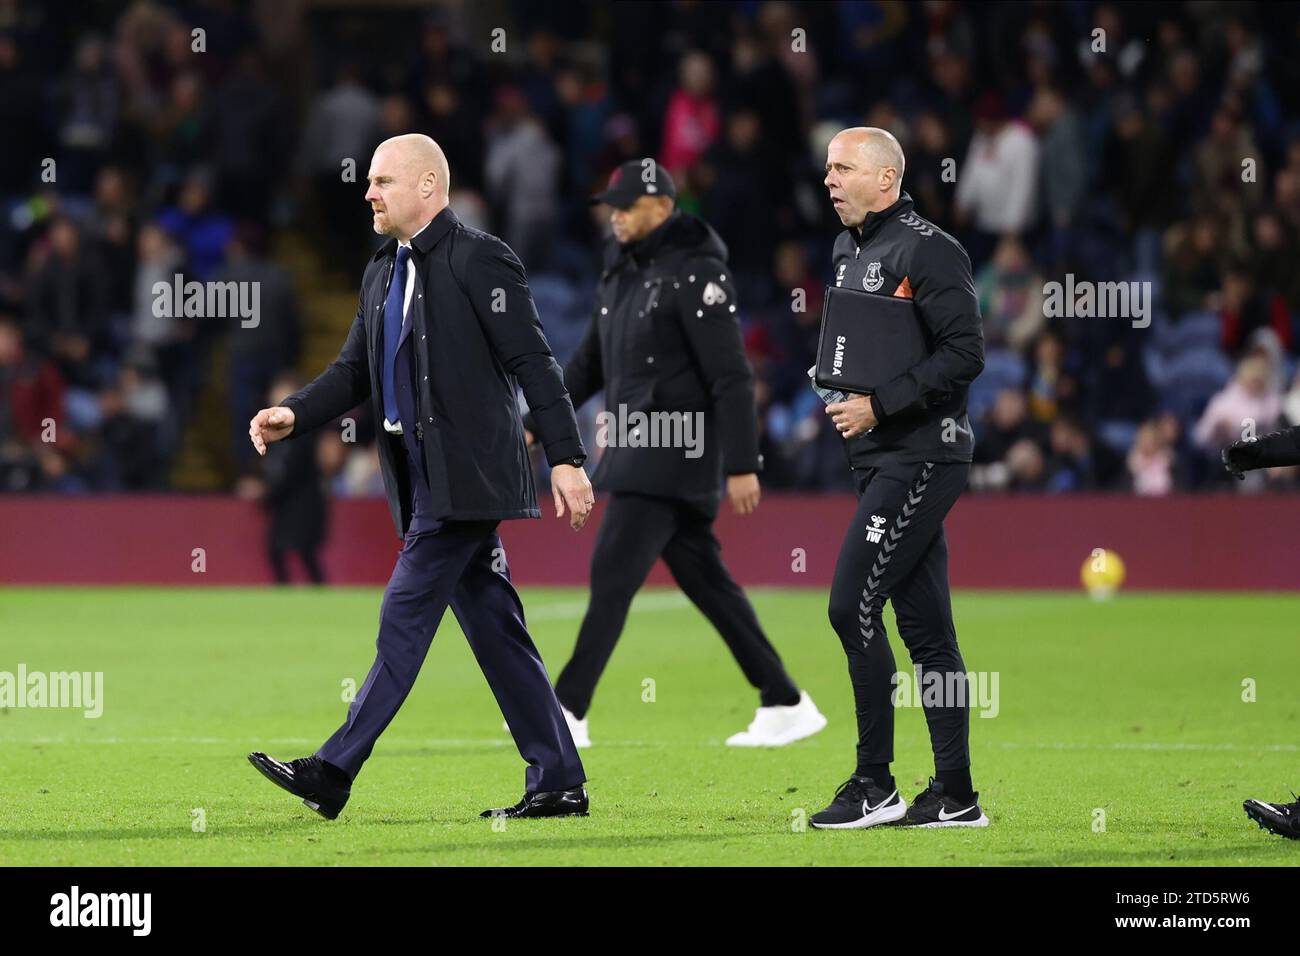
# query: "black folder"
867,340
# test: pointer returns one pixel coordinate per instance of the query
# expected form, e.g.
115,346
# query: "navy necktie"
393,333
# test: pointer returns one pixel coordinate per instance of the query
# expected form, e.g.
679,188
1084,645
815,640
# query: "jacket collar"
442,224
644,248
871,225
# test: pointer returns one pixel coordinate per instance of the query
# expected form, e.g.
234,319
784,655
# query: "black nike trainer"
860,803
1280,818
934,808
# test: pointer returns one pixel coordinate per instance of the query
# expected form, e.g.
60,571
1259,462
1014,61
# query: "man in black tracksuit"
910,445
1277,450
664,342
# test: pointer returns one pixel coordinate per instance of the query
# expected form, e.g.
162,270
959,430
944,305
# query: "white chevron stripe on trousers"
872,600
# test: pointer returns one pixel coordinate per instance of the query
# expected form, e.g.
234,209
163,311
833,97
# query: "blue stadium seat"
560,306
1003,368
1204,365
1191,378
1118,435
1156,367
1195,330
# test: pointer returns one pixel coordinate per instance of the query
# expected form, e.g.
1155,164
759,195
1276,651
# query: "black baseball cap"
634,179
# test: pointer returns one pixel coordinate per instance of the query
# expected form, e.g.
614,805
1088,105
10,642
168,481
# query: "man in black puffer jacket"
664,343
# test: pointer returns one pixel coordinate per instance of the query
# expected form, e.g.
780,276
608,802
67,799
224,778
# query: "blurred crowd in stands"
1155,143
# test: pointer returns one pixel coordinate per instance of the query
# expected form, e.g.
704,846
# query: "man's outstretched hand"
268,425
744,493
570,487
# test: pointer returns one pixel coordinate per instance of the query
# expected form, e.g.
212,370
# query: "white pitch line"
1135,745
291,741
243,742
564,610
505,742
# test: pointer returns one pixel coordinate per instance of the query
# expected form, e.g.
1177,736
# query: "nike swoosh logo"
945,815
867,808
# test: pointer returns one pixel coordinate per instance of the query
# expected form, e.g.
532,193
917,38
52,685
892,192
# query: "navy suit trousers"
461,564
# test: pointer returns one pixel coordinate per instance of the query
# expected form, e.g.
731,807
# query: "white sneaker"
578,728
778,726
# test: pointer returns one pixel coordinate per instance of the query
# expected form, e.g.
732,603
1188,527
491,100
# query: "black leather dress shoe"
322,786
546,803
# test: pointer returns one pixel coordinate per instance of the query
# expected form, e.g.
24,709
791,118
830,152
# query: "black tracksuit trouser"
636,531
895,550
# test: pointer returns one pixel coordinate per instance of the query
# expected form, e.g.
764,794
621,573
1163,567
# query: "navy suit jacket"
475,335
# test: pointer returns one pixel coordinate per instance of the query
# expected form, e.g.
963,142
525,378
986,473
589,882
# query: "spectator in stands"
931,176
692,121
950,78
1052,387
247,126
1286,196
1118,388
22,117
1026,467
1189,100
1137,163
1249,404
67,315
109,229
1007,422
745,185
179,133
792,323
202,231
1273,265
31,399
1077,461
1062,172
130,453
342,126
169,336
1291,402
997,185
1192,256
1174,436
1220,189
86,104
523,178
1151,461
1243,310
292,491
1010,291
450,121
258,351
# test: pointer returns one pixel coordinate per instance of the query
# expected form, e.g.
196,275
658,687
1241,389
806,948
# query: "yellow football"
1102,574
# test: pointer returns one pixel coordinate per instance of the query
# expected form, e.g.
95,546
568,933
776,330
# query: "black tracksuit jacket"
922,412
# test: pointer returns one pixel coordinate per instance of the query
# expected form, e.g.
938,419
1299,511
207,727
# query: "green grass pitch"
1131,707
